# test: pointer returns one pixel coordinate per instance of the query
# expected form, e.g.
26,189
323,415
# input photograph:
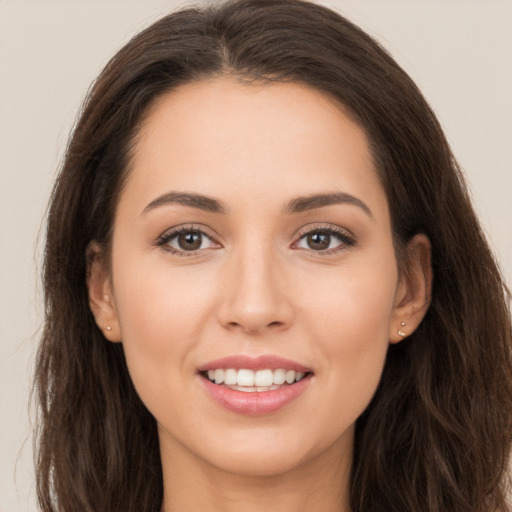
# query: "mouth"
254,386
251,381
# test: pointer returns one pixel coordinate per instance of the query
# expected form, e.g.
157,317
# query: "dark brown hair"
436,435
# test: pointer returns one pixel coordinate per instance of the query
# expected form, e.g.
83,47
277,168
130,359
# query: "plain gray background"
458,51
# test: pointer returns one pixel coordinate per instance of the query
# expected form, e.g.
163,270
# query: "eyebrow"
199,201
296,205
302,204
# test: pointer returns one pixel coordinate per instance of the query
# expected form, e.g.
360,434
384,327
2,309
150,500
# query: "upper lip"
262,362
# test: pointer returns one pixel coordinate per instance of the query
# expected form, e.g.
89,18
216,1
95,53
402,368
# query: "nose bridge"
254,295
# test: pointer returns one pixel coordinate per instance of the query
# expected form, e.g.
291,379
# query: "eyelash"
346,239
163,240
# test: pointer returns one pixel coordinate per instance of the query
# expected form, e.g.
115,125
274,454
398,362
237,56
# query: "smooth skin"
319,285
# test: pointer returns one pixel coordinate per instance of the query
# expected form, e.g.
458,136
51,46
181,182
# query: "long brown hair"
436,435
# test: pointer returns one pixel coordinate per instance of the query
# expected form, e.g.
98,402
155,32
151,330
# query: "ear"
99,286
413,294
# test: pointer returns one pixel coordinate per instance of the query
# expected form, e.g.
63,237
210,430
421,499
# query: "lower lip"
258,402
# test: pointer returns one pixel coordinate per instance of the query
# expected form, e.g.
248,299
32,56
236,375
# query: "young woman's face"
252,243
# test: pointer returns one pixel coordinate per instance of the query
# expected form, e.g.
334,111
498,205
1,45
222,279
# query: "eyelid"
346,237
163,239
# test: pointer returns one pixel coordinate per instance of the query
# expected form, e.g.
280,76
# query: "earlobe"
412,299
100,292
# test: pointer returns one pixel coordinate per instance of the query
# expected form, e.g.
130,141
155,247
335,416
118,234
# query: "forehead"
219,136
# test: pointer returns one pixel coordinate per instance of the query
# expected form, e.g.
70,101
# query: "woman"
266,287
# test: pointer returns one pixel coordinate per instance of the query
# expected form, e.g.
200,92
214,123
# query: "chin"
272,454
260,464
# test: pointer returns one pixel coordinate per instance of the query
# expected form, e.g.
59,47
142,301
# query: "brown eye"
186,240
190,241
318,241
327,240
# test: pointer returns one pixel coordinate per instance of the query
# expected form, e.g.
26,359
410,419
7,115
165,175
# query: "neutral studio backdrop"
458,51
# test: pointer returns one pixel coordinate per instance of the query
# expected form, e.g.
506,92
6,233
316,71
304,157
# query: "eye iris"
189,241
319,241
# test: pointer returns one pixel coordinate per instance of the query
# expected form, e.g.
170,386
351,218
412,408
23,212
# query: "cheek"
161,314
158,302
353,305
349,322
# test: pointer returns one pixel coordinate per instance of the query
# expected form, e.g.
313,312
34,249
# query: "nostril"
255,327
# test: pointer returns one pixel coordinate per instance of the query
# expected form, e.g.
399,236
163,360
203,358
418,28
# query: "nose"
254,294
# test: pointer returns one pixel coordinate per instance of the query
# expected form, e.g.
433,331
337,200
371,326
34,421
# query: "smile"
250,381
254,386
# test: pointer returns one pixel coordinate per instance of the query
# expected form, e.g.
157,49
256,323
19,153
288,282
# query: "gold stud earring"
400,332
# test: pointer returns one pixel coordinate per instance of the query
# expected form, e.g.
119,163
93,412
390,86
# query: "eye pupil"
190,241
319,241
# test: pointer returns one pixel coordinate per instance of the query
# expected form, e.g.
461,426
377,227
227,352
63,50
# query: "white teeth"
230,377
261,380
290,376
219,376
245,378
264,378
244,389
254,388
279,376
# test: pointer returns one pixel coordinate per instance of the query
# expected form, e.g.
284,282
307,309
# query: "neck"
320,483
